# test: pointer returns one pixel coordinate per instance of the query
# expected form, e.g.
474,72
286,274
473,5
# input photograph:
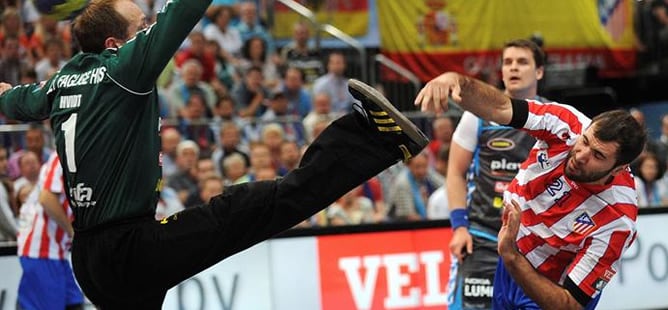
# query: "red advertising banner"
389,270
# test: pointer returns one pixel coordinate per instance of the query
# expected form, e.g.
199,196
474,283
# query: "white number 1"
69,128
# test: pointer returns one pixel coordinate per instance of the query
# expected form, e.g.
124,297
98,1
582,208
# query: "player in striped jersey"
44,239
570,213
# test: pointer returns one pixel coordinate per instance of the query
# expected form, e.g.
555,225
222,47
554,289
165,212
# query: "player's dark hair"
619,126
97,22
538,54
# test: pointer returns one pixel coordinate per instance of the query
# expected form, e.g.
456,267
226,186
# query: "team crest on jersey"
564,135
583,224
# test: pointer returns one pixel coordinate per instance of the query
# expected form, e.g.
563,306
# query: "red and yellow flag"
432,36
350,16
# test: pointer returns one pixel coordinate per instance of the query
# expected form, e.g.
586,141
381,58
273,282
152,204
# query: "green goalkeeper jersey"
105,116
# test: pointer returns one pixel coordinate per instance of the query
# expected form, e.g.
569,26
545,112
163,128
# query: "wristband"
459,218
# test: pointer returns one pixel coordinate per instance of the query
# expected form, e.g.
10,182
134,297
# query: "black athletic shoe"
383,117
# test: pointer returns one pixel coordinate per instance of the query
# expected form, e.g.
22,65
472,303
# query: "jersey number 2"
69,128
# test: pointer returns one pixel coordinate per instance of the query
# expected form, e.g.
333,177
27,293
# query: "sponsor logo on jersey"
543,160
500,187
497,202
92,76
478,287
82,196
583,224
501,144
504,167
599,284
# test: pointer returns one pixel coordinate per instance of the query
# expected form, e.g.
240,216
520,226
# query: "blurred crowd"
238,108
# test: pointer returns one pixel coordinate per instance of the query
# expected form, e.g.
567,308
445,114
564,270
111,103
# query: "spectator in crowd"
35,143
227,37
194,124
225,112
278,114
437,205
290,157
249,27
334,83
184,181
225,71
230,143
373,190
12,27
298,54
29,166
168,203
197,50
265,174
299,99
322,109
411,190
191,81
351,209
662,142
8,211
260,157
53,59
652,146
235,169
249,94
210,186
273,136
651,187
170,138
48,29
442,129
11,63
47,281
319,126
205,169
254,54
659,10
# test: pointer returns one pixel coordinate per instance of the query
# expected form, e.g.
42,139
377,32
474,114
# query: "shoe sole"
406,125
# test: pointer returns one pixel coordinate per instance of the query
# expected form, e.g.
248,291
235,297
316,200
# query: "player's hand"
434,96
507,246
461,243
4,87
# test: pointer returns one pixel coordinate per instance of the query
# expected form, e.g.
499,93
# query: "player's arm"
547,294
55,210
464,140
25,102
142,58
472,95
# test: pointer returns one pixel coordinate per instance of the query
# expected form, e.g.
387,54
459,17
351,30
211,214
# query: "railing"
334,32
306,13
399,93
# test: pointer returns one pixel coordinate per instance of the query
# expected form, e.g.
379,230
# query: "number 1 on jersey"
69,128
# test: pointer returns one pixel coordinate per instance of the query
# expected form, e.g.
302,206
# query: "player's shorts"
471,282
47,284
509,295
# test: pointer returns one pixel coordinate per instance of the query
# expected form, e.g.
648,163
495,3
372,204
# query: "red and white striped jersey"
568,229
40,236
